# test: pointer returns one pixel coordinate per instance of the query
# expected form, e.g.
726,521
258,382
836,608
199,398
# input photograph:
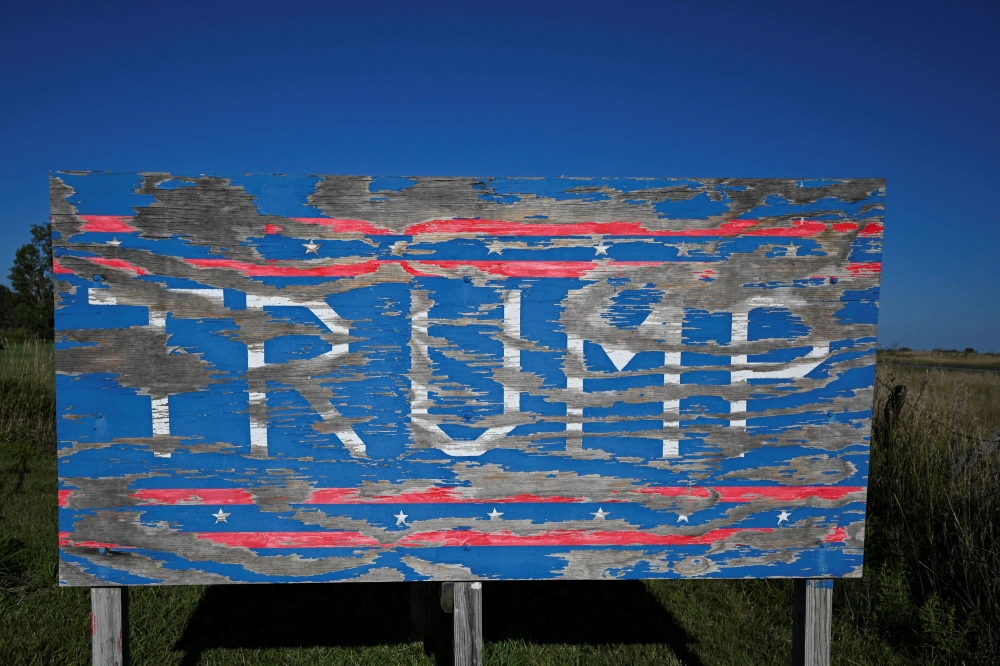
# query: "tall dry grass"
27,393
932,576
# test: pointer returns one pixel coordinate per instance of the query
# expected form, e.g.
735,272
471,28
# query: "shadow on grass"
582,613
362,615
300,615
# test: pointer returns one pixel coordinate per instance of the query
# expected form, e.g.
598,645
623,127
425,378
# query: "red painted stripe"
751,493
675,491
871,268
505,268
567,538
352,496
118,224
106,223
621,228
439,538
411,270
535,499
339,496
119,264
799,229
784,493
503,228
455,495
506,228
193,496
434,495
347,226
838,535
66,539
572,269
290,539
257,270
97,544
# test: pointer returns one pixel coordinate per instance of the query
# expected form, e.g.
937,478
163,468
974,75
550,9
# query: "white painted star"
599,515
221,516
601,248
495,246
400,518
682,518
684,249
311,248
783,516
494,514
792,251
114,241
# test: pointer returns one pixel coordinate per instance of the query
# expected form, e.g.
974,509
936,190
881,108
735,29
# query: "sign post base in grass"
109,625
812,622
468,624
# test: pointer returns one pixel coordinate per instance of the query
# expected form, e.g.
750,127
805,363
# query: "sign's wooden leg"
109,625
468,624
812,622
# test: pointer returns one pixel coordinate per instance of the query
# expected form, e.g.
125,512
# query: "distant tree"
31,278
7,303
970,350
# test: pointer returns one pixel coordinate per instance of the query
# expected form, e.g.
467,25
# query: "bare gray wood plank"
812,622
109,625
468,623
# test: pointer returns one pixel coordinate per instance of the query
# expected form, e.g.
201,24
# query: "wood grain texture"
467,619
322,378
109,625
812,622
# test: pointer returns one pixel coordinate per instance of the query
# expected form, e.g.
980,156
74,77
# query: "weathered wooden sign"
279,379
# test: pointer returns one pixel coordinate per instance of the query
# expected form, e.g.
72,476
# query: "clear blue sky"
910,93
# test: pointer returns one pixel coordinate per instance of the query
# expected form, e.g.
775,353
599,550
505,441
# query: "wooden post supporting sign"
109,625
812,622
468,623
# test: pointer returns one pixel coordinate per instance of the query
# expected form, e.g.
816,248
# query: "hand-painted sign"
277,378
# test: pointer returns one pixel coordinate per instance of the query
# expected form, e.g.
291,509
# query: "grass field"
950,359
929,595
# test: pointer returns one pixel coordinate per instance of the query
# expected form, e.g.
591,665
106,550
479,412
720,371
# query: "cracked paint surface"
324,378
